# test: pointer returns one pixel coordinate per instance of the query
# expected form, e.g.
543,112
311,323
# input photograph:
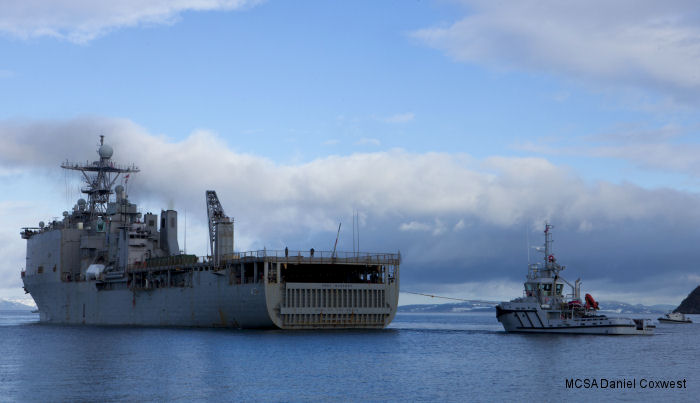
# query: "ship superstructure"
674,317
105,263
544,308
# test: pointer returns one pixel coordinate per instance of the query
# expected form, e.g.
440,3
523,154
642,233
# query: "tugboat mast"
548,255
550,262
99,177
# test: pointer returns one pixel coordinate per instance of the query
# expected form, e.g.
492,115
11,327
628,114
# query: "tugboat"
674,317
545,309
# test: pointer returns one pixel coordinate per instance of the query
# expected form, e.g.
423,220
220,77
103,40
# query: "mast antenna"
527,243
99,177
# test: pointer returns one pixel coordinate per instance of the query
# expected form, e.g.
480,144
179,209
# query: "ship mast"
99,177
548,255
552,268
550,262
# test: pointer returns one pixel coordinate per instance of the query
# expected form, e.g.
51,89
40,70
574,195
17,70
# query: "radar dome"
81,202
119,188
105,151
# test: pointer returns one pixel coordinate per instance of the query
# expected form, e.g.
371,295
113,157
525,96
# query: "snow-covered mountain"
605,307
17,304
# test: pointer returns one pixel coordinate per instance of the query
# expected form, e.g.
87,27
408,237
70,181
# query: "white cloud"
450,215
368,141
683,158
561,96
640,43
503,190
13,215
400,118
81,21
436,228
415,226
636,133
667,148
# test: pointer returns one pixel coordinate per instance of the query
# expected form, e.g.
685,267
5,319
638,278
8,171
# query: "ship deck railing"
273,256
322,257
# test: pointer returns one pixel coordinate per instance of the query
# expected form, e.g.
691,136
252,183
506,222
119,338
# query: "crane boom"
216,215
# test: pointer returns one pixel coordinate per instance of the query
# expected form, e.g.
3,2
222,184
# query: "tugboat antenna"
527,243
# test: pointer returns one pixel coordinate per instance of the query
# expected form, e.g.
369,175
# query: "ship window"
529,287
546,289
40,269
559,288
172,222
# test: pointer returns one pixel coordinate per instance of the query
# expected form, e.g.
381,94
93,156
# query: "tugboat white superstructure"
105,263
545,309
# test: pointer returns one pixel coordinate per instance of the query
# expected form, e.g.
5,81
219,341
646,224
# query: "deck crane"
220,228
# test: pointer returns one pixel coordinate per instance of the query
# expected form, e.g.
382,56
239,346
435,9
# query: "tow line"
475,301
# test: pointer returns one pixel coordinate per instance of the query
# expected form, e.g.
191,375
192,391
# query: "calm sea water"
421,357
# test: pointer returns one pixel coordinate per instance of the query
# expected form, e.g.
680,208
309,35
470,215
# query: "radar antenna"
216,215
550,261
99,177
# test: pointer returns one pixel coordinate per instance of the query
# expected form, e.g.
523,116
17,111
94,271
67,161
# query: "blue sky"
448,124
307,75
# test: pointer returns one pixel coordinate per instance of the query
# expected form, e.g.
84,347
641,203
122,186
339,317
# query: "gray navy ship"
105,263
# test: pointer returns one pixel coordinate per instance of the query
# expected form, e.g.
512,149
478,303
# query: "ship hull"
531,319
212,303
212,299
663,320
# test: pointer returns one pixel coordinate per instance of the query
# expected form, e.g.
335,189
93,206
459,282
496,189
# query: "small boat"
544,308
674,317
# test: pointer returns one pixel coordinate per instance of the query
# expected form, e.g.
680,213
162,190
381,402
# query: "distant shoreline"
610,307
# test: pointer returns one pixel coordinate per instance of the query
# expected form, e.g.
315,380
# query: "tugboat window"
547,289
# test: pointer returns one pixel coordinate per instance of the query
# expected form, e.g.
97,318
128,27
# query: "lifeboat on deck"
591,303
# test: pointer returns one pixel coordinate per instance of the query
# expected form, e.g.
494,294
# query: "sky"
455,129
